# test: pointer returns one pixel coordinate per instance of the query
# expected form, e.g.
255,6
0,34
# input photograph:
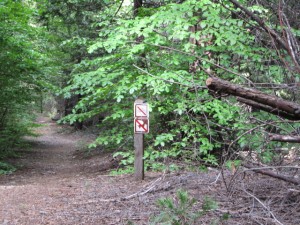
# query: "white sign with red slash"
141,110
141,118
141,126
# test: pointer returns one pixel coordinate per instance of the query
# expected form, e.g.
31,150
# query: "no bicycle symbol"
141,126
141,118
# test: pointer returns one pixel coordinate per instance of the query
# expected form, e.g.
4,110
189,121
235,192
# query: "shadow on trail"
54,155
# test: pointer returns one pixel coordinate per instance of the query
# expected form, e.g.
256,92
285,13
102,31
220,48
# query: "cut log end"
209,81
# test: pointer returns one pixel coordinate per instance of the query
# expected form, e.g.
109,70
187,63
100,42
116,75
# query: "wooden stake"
139,154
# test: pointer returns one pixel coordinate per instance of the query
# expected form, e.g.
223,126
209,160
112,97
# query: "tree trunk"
284,138
136,5
255,98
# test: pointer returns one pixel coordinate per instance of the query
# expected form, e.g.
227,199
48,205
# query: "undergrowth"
6,168
12,139
183,210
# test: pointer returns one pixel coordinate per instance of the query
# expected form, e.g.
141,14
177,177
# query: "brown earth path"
57,185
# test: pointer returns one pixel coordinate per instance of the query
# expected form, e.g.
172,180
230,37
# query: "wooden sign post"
141,127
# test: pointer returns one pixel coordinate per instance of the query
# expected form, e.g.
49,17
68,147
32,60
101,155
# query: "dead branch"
264,206
284,138
141,192
272,174
260,22
269,30
277,104
266,108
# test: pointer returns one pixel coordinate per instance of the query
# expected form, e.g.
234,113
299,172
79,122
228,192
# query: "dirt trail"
52,156
56,185
52,176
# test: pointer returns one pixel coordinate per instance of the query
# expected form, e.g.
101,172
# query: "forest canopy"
97,57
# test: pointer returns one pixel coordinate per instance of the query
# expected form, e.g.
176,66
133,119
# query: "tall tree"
23,69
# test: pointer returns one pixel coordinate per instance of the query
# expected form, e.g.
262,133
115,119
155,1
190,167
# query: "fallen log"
253,97
284,138
272,174
266,108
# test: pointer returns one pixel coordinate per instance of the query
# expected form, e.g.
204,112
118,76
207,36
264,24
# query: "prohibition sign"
141,125
141,110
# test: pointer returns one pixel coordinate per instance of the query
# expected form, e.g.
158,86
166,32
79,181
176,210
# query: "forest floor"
57,184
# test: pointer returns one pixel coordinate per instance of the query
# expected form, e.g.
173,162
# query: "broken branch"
272,174
284,138
271,103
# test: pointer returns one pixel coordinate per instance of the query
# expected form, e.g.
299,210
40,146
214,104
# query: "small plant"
6,168
125,163
120,171
180,210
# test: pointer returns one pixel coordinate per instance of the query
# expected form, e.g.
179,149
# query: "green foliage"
127,158
126,170
113,58
11,137
126,163
181,210
24,71
230,164
184,123
6,168
97,53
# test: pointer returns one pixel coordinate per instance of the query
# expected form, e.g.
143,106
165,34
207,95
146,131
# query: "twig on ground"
263,205
141,192
217,178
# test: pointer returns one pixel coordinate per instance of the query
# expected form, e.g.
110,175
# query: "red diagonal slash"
141,111
142,125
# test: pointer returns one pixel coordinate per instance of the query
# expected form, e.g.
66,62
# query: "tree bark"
266,108
266,102
272,174
136,5
284,138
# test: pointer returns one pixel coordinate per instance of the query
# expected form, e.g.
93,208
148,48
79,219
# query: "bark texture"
284,138
273,174
255,98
